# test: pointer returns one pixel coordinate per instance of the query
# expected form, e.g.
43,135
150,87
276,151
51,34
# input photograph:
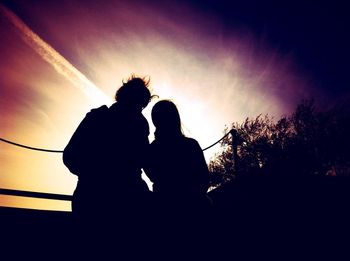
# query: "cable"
30,148
58,196
61,151
216,142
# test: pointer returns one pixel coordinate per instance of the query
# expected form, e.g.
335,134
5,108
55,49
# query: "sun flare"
58,72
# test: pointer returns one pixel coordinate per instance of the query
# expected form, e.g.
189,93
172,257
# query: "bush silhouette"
308,142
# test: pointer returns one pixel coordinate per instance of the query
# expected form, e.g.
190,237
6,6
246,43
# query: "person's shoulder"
191,141
98,111
96,114
101,109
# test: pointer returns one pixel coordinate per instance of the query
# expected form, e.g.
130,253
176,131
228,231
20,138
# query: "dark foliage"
308,142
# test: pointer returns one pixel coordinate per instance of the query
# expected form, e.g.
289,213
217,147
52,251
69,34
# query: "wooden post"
234,136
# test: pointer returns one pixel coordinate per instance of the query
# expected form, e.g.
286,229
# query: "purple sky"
219,62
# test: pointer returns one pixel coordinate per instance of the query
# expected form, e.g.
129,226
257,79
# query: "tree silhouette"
308,142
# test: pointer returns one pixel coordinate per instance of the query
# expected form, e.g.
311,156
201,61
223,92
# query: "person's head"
134,93
166,119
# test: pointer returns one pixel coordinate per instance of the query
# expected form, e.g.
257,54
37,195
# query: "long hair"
166,119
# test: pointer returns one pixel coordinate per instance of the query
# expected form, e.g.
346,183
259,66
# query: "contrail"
50,55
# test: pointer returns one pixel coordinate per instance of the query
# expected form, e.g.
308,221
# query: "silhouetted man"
106,153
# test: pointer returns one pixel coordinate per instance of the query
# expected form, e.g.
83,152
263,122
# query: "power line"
216,142
58,196
30,148
61,151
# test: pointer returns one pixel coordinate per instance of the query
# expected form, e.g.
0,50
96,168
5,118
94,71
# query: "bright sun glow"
49,86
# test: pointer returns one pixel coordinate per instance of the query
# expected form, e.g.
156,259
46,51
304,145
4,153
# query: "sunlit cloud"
214,77
215,86
50,55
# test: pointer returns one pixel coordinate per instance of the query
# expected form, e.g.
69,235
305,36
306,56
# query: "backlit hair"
135,91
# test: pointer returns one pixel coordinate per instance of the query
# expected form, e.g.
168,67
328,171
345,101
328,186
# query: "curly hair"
135,91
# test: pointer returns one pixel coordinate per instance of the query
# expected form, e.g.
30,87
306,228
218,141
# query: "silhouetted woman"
179,173
176,163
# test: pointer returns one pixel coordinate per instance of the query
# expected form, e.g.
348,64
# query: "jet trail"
50,55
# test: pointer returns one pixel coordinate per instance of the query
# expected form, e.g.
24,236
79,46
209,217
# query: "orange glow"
211,79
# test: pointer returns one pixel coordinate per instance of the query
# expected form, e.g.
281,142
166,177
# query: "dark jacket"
177,168
106,153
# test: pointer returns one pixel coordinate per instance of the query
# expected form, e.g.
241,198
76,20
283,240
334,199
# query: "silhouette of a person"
176,164
106,153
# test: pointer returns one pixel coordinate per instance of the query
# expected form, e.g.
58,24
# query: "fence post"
234,137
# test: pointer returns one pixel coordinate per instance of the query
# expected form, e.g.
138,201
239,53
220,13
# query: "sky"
219,61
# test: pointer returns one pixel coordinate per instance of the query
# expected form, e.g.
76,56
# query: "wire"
30,148
216,142
61,151
57,196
